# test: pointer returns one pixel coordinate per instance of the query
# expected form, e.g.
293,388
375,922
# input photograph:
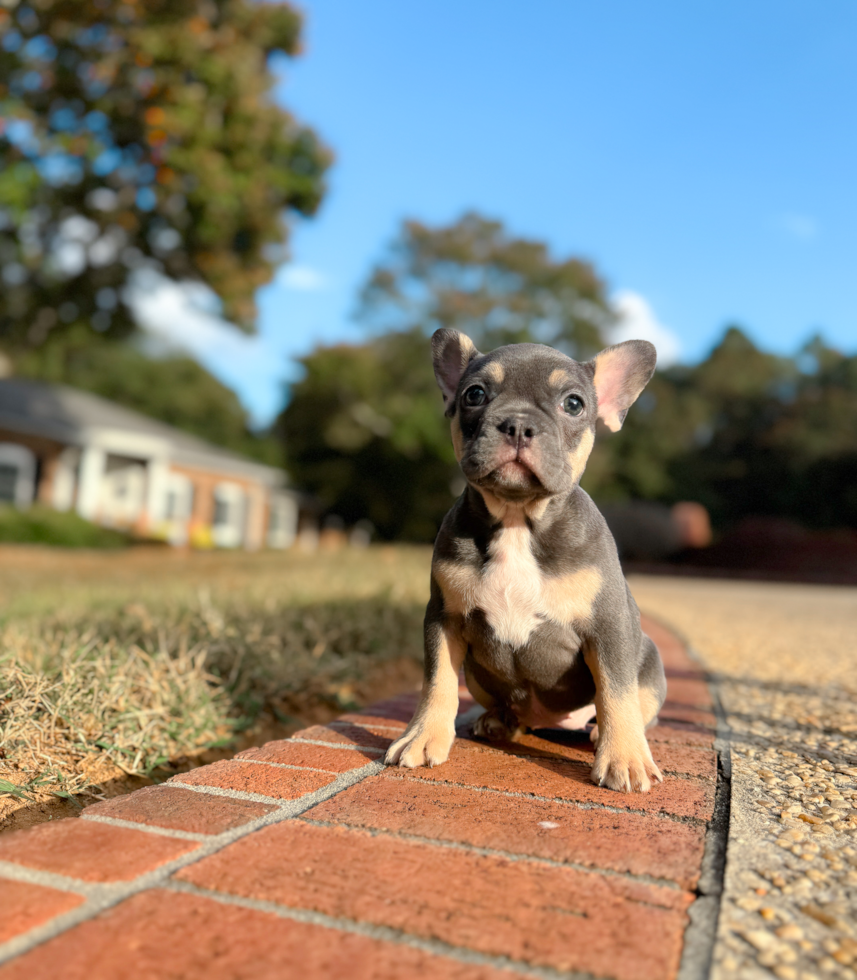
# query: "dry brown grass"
116,664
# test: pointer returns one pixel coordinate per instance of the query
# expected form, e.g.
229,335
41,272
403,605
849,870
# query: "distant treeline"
744,433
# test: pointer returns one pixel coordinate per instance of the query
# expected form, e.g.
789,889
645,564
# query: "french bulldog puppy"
527,593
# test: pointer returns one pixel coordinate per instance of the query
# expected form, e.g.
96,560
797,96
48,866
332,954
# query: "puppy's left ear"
451,352
621,373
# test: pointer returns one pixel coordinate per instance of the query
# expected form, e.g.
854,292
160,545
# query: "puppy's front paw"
626,767
426,744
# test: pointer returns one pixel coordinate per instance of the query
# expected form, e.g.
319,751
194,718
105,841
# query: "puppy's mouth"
513,473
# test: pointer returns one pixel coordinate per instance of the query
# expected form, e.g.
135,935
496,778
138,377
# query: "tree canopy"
143,133
474,276
744,432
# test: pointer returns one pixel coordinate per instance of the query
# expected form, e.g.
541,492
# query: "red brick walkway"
308,859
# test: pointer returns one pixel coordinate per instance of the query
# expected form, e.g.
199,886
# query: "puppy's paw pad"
420,747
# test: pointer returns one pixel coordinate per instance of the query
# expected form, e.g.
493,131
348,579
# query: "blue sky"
703,156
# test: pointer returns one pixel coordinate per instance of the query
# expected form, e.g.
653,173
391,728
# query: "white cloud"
800,226
185,316
637,321
301,278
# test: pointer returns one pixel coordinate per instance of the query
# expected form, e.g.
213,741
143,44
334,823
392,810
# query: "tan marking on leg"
495,371
431,732
623,759
578,457
457,438
558,378
459,585
569,598
650,705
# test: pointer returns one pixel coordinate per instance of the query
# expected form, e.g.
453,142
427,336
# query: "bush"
41,525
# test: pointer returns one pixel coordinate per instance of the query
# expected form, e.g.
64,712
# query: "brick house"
72,450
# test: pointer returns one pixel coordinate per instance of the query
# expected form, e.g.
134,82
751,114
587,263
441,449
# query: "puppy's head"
523,417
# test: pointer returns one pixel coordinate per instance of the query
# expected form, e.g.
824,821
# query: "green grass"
42,525
121,662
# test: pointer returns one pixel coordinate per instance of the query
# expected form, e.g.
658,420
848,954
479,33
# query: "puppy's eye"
475,396
573,405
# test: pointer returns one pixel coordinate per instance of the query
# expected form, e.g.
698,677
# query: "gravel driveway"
784,659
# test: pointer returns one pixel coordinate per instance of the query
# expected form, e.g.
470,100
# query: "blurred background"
228,227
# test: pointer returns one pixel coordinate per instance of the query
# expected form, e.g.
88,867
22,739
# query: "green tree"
364,429
174,388
477,278
364,432
143,134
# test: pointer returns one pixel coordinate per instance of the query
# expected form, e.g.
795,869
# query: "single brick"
399,709
681,733
553,916
676,711
558,744
162,935
631,842
344,733
562,780
315,756
180,809
692,692
249,777
375,721
26,906
91,851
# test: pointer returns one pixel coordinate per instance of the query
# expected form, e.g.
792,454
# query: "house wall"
205,485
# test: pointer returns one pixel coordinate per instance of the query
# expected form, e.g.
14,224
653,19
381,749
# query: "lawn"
120,667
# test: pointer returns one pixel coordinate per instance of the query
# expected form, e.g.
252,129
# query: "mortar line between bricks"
104,895
327,745
233,794
284,765
147,828
436,947
581,804
496,852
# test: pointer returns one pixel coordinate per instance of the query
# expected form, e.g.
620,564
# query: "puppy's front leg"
623,706
430,734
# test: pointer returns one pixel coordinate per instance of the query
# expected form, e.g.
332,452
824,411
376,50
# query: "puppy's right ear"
451,352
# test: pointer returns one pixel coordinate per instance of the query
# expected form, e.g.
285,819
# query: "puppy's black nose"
518,430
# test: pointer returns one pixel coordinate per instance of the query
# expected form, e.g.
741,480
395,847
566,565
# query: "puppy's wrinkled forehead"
529,371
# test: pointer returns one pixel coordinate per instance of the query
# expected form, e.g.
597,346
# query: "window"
17,474
8,483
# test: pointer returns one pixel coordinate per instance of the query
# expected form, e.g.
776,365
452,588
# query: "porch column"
157,471
92,463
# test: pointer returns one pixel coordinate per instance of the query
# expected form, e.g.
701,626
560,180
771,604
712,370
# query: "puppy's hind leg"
499,723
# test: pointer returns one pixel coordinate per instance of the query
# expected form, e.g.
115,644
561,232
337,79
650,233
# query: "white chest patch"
513,591
510,593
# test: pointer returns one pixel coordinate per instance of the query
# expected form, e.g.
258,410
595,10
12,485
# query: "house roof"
78,418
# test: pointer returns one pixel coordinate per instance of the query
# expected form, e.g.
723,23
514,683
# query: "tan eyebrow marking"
495,371
558,377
